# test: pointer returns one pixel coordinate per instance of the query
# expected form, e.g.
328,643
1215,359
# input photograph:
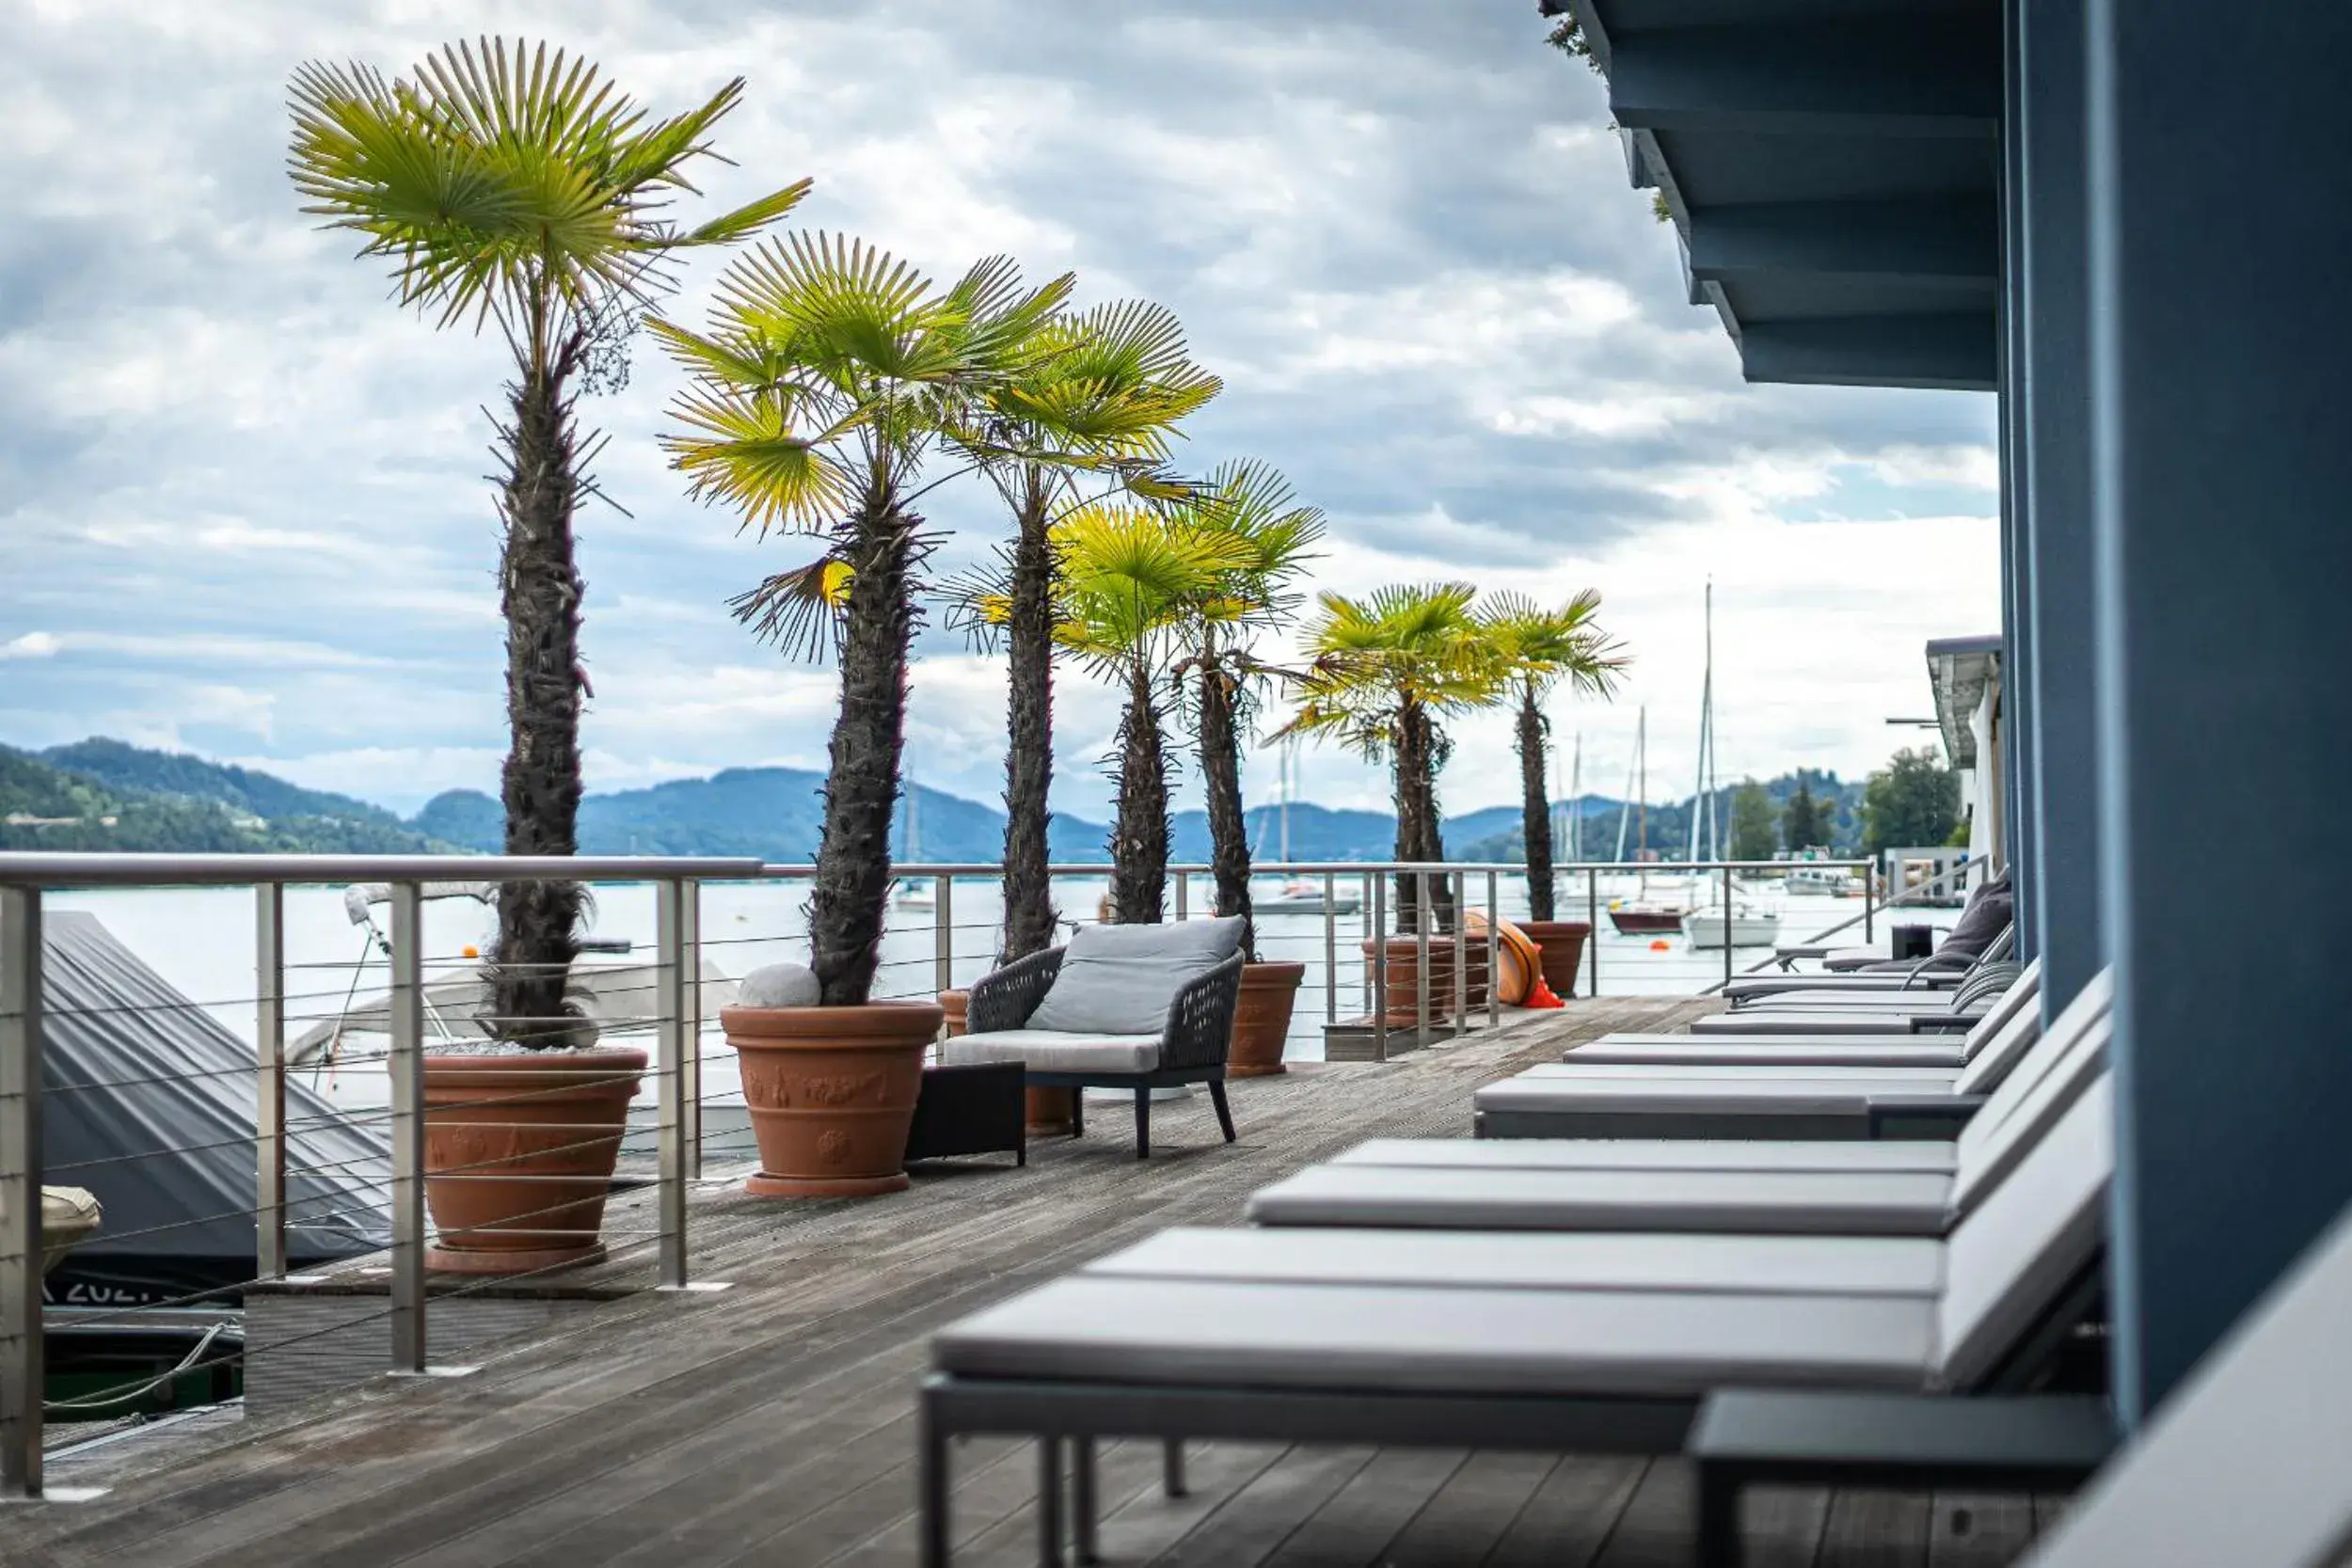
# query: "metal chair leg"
1172,1466
1224,1111
1049,1502
934,1489
1719,1543
1083,1501
1143,1124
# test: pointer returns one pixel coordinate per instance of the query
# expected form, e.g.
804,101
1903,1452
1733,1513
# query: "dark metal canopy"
1832,167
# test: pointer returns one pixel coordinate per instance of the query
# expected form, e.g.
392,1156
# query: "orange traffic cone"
1542,996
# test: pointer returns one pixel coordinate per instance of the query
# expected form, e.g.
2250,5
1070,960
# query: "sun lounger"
1890,1050
1550,1184
1542,1369
1563,1101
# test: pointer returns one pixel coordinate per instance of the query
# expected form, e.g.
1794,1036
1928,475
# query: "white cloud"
32,645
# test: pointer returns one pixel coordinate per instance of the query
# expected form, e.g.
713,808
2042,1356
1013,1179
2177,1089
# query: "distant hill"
1669,823
102,794
45,803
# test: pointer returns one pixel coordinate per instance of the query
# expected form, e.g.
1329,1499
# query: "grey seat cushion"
1576,1070
1865,1022
1714,1095
1922,1155
1456,1260
1120,979
1769,1051
1053,1051
1635,1344
1745,1202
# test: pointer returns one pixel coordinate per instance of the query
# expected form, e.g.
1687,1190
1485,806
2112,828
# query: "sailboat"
915,893
1747,926
1303,896
1643,915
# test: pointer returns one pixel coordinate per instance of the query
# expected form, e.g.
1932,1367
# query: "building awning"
1832,167
1958,670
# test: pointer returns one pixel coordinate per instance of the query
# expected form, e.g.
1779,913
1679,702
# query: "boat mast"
1576,783
1641,767
1702,799
1288,781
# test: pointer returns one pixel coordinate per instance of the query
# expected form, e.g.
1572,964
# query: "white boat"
1750,927
1823,881
1306,897
915,893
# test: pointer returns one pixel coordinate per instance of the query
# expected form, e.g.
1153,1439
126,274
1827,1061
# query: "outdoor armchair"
1134,1007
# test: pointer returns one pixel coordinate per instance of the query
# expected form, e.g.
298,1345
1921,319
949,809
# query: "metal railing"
692,912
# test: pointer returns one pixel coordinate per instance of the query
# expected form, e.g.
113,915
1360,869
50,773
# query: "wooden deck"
772,1422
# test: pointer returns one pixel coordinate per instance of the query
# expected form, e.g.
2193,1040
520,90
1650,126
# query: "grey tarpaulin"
149,1103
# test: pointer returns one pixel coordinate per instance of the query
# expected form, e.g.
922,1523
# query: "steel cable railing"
315,1190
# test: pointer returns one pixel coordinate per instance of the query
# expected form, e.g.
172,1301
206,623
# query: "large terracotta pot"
1262,1021
519,1155
1405,967
832,1091
1562,941
1050,1113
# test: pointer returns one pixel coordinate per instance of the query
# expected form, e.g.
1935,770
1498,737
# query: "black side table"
976,1109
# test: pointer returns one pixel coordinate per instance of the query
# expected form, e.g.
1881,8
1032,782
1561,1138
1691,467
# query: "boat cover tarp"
149,1103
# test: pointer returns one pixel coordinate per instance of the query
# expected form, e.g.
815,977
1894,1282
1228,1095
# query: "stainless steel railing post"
1421,952
1727,925
1377,916
1330,950
1184,894
21,1367
1870,902
1494,950
690,1099
406,1065
1375,891
943,933
671,1047
1459,882
1591,936
269,1085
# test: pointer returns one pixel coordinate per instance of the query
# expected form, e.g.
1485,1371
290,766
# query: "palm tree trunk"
540,591
1139,840
852,878
1536,807
1220,773
1414,806
1029,914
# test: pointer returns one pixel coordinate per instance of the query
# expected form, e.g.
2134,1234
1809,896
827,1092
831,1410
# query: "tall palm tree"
1128,578
1387,669
829,376
1095,409
1253,506
512,186
1538,648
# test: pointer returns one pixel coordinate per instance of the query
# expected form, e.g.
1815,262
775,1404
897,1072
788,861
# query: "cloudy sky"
242,504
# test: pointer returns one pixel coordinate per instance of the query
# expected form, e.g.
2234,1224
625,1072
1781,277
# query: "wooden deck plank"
1781,1527
1356,1526
1659,1526
1256,1520
1571,1515
1875,1529
1470,1513
1979,1530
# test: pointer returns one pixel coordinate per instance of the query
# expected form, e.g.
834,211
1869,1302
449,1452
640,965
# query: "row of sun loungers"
1785,1304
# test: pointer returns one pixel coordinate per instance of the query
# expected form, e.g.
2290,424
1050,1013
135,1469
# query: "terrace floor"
773,1423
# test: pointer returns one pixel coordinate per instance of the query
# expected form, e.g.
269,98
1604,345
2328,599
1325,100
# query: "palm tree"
1388,668
1253,506
1129,576
1099,402
1538,648
511,185
829,376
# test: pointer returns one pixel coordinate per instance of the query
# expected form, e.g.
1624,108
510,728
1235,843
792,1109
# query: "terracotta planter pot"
1562,941
1050,1113
519,1155
1261,1021
1405,967
832,1091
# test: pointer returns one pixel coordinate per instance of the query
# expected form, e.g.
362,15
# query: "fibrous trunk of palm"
1220,773
1029,917
1139,839
1536,807
1415,754
540,784
852,877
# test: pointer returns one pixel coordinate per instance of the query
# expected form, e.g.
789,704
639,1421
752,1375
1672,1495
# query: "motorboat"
1749,928
1307,897
1823,881
1642,919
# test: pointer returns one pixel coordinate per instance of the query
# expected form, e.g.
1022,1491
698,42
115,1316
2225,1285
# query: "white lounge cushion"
1663,1345
1054,1050
1752,1202
2029,1101
1758,1022
1769,1051
1575,1071
1456,1260
1720,1095
1896,1154
1120,979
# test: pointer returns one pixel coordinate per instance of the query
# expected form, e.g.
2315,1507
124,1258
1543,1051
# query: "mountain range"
103,794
